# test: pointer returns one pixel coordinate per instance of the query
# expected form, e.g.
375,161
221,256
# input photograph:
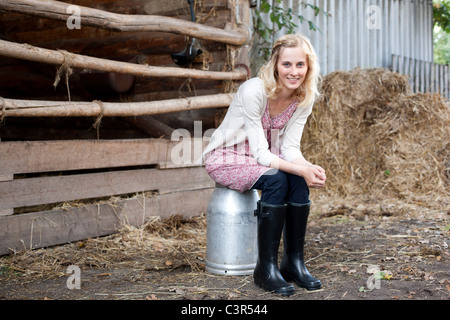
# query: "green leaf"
265,7
266,35
312,26
273,17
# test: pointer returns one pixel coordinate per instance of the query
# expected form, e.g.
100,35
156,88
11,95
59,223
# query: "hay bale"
413,141
374,137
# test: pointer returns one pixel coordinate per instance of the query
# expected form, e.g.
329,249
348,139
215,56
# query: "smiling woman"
257,146
292,68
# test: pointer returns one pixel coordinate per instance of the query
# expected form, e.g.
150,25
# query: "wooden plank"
6,210
447,82
42,229
35,191
422,75
433,75
400,65
395,59
417,76
428,76
48,156
436,78
410,71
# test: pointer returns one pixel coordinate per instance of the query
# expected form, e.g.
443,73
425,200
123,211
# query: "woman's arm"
314,175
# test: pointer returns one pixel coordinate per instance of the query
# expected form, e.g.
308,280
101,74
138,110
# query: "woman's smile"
292,67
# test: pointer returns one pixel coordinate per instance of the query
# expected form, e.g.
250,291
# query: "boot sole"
302,285
283,291
309,288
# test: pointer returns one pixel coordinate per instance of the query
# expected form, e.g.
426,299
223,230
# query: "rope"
3,111
97,122
65,67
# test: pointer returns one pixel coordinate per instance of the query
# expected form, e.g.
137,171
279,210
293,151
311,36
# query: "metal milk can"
231,232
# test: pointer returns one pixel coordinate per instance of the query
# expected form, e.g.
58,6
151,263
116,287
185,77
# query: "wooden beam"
6,177
120,22
43,190
63,155
42,229
151,126
36,108
31,53
48,156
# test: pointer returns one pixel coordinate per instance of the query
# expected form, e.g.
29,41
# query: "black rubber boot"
270,226
293,266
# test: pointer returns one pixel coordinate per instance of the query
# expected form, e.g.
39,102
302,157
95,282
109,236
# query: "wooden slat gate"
141,174
88,169
424,76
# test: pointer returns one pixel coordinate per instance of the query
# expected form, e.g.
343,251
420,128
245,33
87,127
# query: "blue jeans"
278,187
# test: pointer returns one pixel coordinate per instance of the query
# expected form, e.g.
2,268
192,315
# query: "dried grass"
159,245
375,138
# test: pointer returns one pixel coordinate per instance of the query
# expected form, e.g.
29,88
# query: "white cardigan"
243,121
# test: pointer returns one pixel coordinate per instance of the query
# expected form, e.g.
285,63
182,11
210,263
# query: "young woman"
257,146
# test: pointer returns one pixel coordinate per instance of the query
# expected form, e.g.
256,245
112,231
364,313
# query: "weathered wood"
41,229
120,22
36,191
241,15
36,108
5,177
31,53
6,212
48,156
151,126
423,76
54,156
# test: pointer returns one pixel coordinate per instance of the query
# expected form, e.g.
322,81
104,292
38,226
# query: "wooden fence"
423,76
140,174
47,172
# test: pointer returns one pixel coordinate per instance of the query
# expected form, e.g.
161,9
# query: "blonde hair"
308,92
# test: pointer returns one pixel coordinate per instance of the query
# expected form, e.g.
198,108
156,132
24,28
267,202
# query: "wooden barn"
105,105
99,101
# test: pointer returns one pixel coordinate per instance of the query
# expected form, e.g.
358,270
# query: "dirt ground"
372,252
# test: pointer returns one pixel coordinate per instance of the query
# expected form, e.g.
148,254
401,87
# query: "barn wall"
351,37
57,189
21,79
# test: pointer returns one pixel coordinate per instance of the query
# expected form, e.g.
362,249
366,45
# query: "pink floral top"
235,167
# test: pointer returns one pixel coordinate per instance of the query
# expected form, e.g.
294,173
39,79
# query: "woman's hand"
314,176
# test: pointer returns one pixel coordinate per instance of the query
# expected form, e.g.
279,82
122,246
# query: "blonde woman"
257,146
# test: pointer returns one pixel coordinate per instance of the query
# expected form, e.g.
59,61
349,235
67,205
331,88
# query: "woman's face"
292,67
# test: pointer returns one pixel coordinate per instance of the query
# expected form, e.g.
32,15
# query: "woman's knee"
275,188
298,190
278,180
